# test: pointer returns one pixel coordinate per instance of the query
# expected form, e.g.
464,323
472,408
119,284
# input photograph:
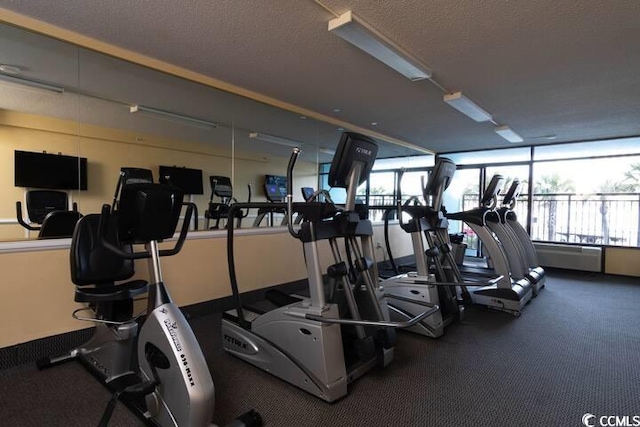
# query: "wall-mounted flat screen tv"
275,188
189,180
53,171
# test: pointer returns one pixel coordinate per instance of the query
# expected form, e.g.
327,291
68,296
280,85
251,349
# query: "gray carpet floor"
575,349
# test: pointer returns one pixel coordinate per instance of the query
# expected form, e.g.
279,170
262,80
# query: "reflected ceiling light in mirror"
506,133
35,84
354,30
466,106
329,151
278,140
203,124
549,137
10,69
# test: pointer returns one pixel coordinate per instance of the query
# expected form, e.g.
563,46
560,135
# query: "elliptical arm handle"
118,188
183,233
399,195
246,214
424,190
195,213
385,217
290,166
21,220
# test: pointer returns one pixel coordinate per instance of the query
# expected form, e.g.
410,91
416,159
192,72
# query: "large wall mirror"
107,113
39,114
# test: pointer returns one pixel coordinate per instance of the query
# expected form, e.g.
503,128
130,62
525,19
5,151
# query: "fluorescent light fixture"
30,83
275,139
549,137
508,134
467,107
173,116
10,69
329,151
363,36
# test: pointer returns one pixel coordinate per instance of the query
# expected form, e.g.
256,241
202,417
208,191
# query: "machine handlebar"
102,232
21,220
290,166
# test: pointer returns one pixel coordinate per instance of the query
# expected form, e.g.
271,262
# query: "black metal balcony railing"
601,218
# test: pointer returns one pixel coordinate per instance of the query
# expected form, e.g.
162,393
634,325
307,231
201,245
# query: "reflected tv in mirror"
188,180
52,171
275,188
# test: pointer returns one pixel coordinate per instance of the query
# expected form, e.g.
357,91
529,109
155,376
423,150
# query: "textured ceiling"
543,67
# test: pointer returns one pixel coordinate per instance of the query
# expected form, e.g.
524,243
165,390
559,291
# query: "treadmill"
508,217
511,292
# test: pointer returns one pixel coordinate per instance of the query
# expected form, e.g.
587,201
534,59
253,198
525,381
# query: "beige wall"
622,261
108,149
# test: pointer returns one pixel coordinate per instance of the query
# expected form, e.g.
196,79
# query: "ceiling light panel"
354,30
278,140
506,133
467,107
203,124
20,81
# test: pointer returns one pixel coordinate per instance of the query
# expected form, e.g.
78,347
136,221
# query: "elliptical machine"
155,366
322,343
221,187
427,222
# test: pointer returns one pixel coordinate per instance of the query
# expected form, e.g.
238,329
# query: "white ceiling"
543,67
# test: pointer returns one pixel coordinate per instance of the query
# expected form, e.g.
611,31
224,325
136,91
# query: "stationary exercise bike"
49,214
155,366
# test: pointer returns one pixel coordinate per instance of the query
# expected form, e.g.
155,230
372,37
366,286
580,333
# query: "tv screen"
188,180
273,192
275,187
54,171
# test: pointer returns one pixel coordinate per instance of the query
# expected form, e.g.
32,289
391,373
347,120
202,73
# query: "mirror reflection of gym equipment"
219,210
48,208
